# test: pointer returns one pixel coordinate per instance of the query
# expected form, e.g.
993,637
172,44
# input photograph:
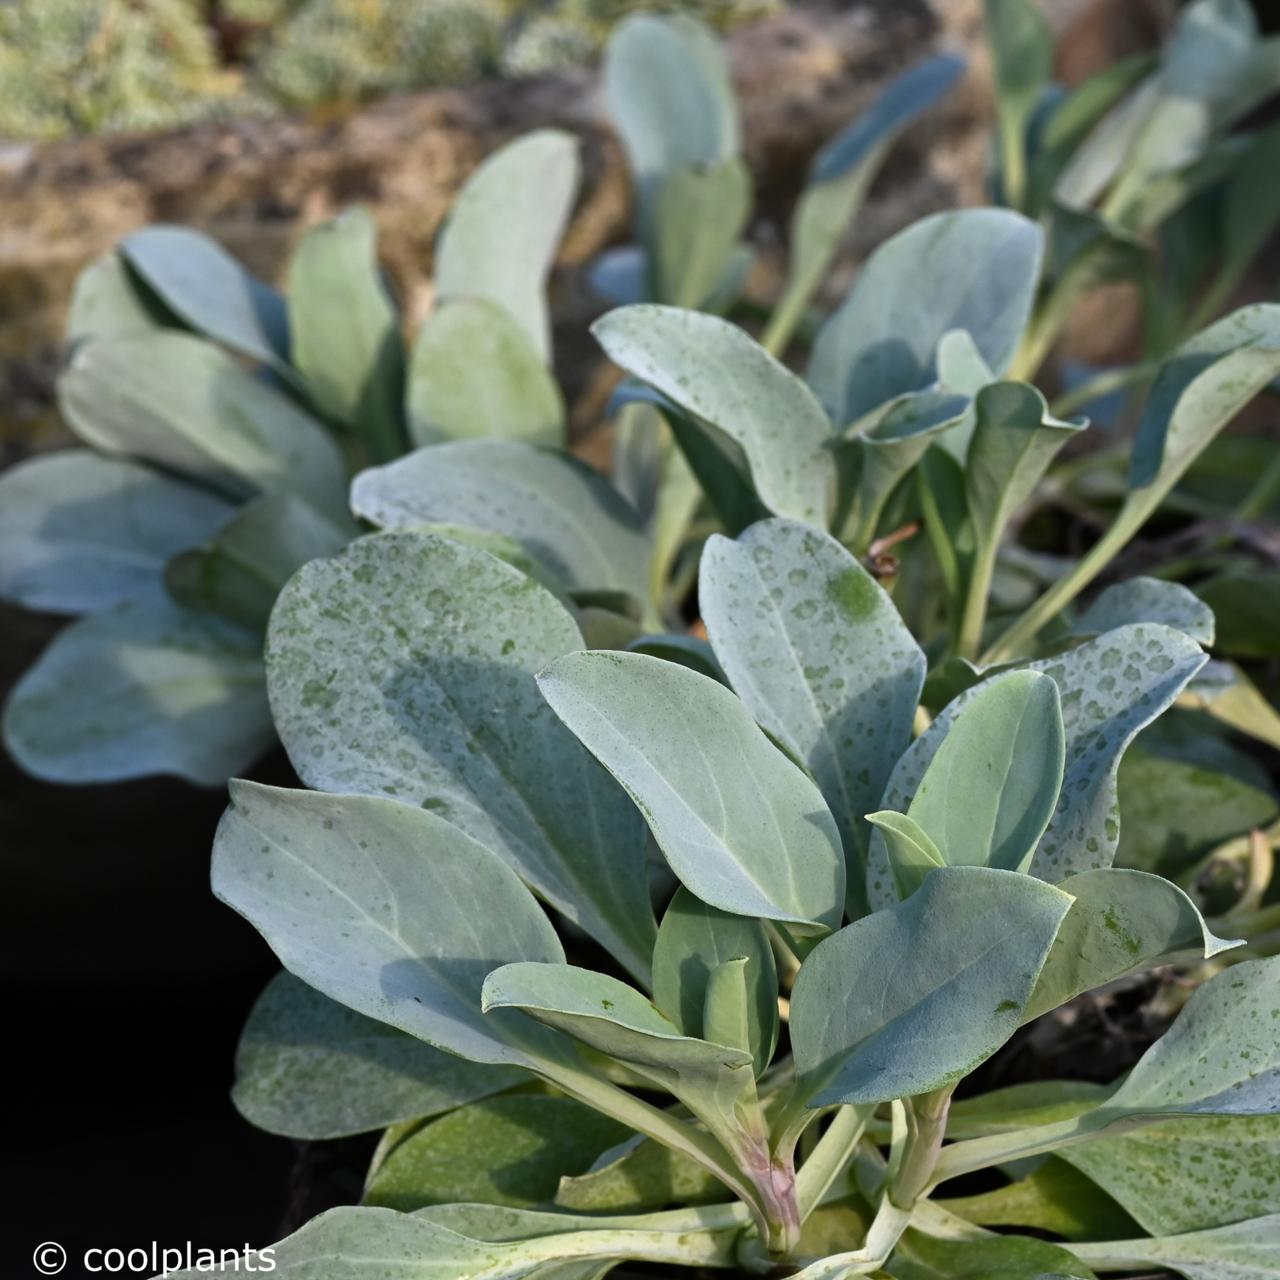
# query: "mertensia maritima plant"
671,946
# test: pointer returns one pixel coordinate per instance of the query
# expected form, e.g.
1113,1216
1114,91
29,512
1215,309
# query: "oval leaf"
385,908
505,226
914,997
80,532
343,329
740,824
142,688
992,785
404,668
475,372
198,280
310,1068
714,370
564,514
975,269
179,402
820,656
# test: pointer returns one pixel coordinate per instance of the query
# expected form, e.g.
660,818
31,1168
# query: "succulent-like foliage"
644,946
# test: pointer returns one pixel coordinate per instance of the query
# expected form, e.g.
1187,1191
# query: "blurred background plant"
90,66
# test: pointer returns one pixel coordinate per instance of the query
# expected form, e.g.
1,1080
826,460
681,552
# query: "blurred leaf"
199,281
474,372
1246,607
80,532
180,402
563,514
1227,694
840,176
698,216
110,301
975,269
1173,810
344,332
142,688
1021,44
505,227
239,569
671,100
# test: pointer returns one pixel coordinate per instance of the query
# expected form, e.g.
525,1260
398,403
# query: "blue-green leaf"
505,226
564,514
142,688
182,403
80,532
992,785
385,908
404,667
715,371
199,281
670,97
310,1068
743,827
914,997
975,269
817,651
694,941
344,334
475,372
1109,689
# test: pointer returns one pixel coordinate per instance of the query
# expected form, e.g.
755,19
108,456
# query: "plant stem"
1017,638
1104,384
999,1148
974,617
927,1116
830,1157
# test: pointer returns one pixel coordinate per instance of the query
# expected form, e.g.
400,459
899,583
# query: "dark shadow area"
125,985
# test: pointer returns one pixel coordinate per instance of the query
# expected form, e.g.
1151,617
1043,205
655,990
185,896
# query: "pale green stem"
1017,639
927,1118
1105,384
690,1249
1263,493
999,1148
662,1127
1043,332
830,1158
977,596
786,316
